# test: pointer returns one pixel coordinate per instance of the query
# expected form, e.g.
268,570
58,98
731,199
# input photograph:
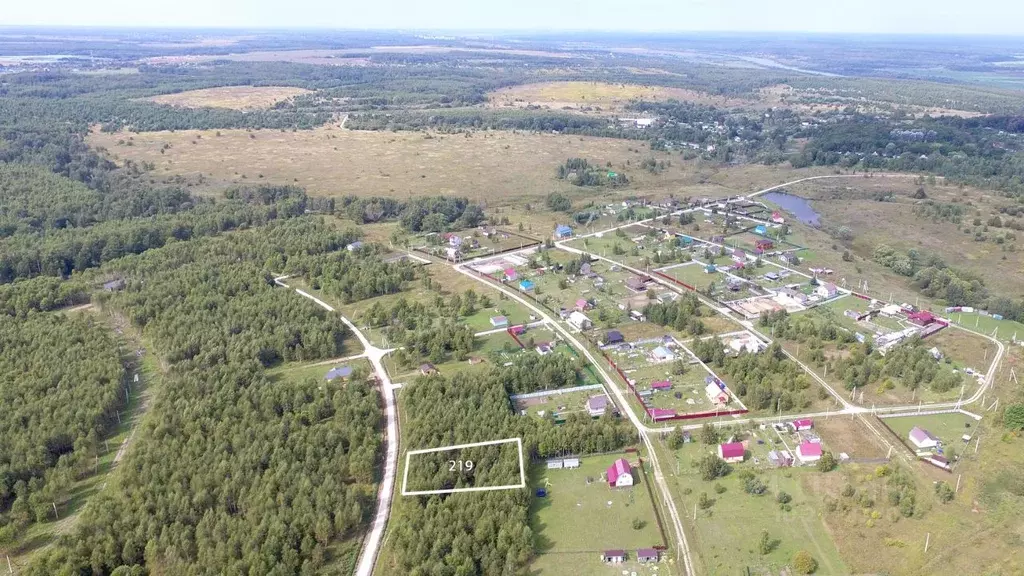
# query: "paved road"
385,494
611,387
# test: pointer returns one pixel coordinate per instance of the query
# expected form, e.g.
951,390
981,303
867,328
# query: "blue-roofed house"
685,240
499,321
662,354
338,372
562,231
760,229
526,285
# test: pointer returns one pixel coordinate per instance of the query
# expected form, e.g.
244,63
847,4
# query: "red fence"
671,279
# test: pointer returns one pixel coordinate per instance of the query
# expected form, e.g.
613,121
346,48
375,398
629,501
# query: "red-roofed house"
510,274
661,385
809,452
777,218
802,424
582,305
661,413
922,318
620,474
731,452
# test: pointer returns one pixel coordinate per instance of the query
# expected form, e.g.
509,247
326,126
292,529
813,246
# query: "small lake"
795,205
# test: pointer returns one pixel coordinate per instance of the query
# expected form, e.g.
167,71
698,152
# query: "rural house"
579,321
637,283
922,318
731,452
613,556
662,354
613,337
582,305
620,475
596,405
802,424
922,439
338,372
562,231
715,394
499,321
780,458
777,218
661,385
647,555
826,290
510,274
526,285
427,369
809,451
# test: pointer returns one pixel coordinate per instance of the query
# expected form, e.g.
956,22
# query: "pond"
795,205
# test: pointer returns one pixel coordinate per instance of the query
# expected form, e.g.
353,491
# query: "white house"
715,394
579,321
826,290
922,438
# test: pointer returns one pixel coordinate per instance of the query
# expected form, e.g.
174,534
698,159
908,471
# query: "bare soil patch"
235,97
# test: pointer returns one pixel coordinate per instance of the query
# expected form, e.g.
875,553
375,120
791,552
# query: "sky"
1004,17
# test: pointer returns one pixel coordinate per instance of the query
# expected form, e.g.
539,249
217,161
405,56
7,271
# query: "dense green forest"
234,471
482,533
61,384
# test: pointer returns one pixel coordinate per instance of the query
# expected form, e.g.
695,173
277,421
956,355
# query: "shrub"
943,491
705,501
848,491
783,498
827,462
804,563
638,524
754,486
719,489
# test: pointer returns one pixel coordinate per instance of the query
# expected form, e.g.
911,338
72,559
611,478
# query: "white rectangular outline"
411,453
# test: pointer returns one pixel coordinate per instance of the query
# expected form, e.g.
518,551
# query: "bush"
804,563
712,467
943,491
765,544
638,524
754,486
719,489
1013,417
827,462
705,501
783,498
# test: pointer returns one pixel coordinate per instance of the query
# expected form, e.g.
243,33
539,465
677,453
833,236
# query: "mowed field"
606,96
236,97
492,166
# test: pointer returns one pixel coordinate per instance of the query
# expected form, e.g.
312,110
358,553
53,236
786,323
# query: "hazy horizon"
871,17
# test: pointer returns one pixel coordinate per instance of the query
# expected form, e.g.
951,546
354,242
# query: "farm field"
578,519
234,97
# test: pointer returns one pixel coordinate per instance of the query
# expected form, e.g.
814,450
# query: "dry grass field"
347,56
235,97
578,95
852,203
493,166
810,100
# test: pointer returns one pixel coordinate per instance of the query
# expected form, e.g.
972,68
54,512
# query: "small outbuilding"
499,321
661,385
427,369
526,285
511,275
613,337
662,354
562,231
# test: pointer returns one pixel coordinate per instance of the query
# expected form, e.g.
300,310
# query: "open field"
556,403
489,165
849,436
350,56
875,222
593,96
235,97
579,518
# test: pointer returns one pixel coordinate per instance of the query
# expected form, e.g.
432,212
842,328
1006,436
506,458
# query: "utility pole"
927,540
957,489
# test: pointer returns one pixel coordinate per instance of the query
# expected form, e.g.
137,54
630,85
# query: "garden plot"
666,376
579,516
948,428
557,404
